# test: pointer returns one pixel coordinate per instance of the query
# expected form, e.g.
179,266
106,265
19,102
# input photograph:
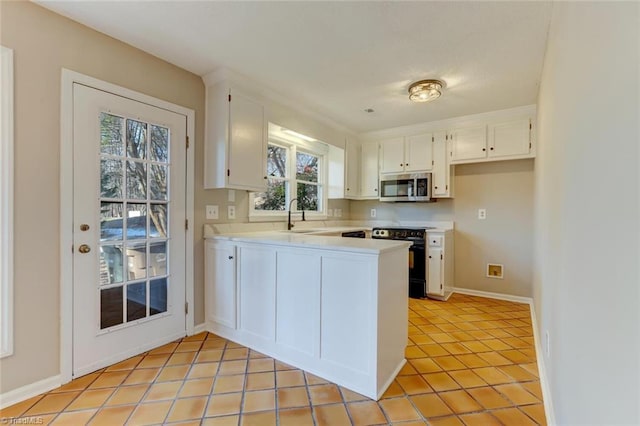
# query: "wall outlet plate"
329,212
211,212
231,212
338,212
373,213
482,214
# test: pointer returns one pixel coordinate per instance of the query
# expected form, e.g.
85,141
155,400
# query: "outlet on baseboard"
547,343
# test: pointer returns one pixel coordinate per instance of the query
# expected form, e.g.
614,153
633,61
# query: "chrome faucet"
289,224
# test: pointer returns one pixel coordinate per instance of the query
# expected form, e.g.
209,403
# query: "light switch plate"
374,213
211,212
482,214
232,196
231,212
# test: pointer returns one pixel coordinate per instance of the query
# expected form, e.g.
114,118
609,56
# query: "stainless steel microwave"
406,187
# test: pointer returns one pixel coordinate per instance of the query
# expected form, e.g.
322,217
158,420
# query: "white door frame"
66,204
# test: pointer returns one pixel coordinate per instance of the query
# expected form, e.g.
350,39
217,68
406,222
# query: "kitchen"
546,194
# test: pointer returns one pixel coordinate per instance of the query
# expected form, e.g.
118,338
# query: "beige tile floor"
471,361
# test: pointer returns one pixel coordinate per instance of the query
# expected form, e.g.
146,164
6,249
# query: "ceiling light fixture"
425,90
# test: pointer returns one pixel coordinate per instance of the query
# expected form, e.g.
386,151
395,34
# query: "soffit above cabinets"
339,58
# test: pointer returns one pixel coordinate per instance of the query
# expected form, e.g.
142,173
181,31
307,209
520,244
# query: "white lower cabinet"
440,264
298,302
339,315
257,291
220,286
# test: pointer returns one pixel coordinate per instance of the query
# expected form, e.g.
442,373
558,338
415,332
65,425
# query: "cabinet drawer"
435,240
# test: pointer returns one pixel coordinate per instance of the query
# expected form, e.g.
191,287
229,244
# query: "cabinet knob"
406,164
265,177
376,189
429,257
230,257
484,149
401,164
435,187
491,148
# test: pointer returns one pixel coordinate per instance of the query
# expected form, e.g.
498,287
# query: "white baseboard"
25,392
200,328
542,371
490,295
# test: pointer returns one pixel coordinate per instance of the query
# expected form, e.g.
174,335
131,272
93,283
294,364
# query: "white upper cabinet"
503,140
510,139
442,171
418,154
469,144
352,166
369,171
406,154
392,153
236,140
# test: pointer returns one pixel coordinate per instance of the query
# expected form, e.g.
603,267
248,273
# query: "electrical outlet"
329,212
338,212
211,212
547,342
232,196
231,212
373,213
482,214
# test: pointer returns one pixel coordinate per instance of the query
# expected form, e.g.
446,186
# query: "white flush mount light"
425,90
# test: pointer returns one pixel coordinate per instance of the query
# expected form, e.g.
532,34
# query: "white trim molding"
542,371
28,391
68,78
6,202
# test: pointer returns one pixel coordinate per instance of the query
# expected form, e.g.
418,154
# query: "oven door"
397,188
417,271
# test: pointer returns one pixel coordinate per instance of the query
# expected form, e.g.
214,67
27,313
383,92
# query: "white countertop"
315,240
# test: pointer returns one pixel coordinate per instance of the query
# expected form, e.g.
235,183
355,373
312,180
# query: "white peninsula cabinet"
335,308
235,140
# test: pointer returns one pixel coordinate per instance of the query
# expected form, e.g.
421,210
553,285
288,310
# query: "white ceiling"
338,58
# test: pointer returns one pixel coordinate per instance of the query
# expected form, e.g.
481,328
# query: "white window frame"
6,199
318,149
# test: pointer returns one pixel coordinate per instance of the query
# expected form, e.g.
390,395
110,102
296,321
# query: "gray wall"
505,189
587,218
43,44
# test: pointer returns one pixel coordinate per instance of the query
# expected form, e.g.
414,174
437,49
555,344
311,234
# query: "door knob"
84,249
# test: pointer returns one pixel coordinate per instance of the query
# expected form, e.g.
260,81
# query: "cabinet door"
440,172
509,139
392,155
257,291
369,169
469,143
336,173
434,285
418,155
352,186
247,144
298,323
220,283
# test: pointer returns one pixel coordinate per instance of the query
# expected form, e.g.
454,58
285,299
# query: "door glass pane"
136,221
110,307
111,134
307,197
110,178
136,139
158,259
136,301
159,144
158,296
158,182
136,180
276,161
111,266
274,198
158,221
136,261
110,221
306,167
